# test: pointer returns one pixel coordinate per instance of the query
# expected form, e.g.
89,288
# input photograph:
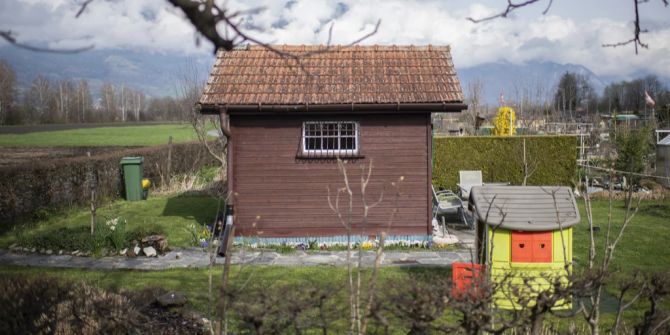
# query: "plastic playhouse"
524,233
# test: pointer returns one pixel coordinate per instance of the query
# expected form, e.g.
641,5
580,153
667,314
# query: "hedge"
501,159
27,189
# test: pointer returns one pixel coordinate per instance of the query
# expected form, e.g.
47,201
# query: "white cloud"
156,25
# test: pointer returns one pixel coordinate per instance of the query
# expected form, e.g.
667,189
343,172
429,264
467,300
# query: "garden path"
195,258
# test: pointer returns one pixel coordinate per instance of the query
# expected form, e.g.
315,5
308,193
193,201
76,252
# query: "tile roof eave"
405,107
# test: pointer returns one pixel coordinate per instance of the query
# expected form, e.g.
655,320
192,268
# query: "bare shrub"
44,305
292,308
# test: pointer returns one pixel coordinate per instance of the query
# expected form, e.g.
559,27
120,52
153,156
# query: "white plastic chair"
446,202
468,179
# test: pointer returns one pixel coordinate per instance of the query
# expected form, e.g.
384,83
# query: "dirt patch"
56,127
20,155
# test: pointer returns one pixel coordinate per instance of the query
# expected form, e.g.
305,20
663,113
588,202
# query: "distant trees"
39,101
72,101
7,92
628,96
574,92
83,102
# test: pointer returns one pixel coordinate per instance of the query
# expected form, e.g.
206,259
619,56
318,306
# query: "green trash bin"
132,169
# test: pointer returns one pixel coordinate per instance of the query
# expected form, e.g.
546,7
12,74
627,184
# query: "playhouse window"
330,138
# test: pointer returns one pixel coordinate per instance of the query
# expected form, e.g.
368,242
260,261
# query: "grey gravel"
196,258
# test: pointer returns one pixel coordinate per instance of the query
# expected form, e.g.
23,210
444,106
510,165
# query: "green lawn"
643,247
172,215
103,136
194,282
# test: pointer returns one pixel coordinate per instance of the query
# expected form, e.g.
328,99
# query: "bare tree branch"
637,31
9,37
83,7
510,8
205,16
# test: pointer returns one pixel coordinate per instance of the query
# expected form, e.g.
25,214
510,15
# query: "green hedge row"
501,159
28,189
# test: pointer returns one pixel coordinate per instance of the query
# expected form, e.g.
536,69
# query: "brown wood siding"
277,194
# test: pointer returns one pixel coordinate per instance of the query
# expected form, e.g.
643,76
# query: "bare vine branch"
206,16
511,7
82,8
8,36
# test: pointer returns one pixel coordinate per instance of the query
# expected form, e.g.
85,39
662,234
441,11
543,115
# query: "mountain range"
157,74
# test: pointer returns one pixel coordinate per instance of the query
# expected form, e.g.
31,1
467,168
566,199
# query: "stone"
49,252
123,251
75,253
177,255
172,299
60,252
149,251
446,239
137,250
158,242
42,251
13,247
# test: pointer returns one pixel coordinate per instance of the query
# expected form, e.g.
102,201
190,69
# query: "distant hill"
503,76
157,73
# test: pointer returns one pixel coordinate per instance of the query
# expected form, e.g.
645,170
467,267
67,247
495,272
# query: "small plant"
504,122
117,232
368,245
200,235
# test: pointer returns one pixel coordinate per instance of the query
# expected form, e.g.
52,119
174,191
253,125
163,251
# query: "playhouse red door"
531,246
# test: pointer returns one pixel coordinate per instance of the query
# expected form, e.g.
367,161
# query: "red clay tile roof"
342,75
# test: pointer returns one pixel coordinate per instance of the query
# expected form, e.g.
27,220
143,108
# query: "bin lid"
132,160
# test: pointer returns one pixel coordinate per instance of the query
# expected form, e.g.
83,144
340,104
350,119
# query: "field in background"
102,136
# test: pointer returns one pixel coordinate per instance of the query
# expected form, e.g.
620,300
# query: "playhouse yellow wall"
541,274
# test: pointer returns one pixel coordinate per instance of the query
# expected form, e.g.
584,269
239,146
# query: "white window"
330,138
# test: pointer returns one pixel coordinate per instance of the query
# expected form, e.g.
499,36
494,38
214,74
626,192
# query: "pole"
169,160
510,123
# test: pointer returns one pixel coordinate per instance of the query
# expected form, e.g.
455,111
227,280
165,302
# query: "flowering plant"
504,122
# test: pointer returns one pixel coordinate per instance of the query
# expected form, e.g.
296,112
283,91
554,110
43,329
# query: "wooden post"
222,325
92,185
169,160
525,164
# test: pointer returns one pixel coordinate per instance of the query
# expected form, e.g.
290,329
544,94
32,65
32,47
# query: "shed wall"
278,194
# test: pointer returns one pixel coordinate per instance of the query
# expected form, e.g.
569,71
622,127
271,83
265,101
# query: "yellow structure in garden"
524,236
504,124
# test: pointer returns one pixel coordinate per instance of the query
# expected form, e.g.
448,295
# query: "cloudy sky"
572,31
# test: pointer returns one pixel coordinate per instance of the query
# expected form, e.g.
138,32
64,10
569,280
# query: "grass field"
194,282
643,245
172,215
103,136
643,248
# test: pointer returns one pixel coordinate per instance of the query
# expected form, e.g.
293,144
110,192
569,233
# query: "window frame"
331,152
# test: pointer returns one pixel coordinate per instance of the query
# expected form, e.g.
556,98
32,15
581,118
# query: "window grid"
330,138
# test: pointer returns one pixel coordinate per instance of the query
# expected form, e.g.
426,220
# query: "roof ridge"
344,47
327,74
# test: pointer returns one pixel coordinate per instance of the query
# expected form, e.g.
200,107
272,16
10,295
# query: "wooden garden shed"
524,233
292,111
